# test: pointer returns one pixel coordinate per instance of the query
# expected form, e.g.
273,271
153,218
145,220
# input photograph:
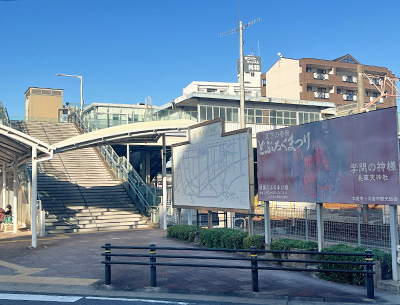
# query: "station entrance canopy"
17,148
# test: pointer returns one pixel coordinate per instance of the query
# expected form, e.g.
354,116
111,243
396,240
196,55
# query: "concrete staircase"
77,189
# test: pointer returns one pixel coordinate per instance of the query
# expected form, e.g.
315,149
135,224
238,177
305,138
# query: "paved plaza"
71,264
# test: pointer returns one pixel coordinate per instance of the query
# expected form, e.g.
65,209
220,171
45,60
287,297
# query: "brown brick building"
325,80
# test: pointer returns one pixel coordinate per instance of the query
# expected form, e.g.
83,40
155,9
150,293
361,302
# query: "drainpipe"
360,88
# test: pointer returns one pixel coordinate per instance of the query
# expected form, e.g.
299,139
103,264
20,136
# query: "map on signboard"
213,170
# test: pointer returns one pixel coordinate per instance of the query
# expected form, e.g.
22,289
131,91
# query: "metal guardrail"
254,259
122,167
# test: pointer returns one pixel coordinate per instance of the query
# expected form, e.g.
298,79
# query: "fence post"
107,251
153,271
254,272
358,228
306,217
369,276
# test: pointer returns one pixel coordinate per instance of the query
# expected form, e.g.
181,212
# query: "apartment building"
325,80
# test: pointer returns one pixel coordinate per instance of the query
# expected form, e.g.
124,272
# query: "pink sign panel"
351,159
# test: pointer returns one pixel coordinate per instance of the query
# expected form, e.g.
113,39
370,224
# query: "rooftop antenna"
241,78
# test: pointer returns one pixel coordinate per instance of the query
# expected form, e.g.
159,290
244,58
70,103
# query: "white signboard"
212,169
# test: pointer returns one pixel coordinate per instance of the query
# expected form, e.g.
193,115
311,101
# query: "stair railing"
120,165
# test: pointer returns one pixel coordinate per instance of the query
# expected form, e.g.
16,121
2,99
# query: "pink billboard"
351,159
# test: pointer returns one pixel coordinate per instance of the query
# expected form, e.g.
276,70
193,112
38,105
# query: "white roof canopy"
144,132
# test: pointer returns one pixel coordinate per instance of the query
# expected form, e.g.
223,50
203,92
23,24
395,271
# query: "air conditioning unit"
326,76
344,78
380,101
354,79
354,98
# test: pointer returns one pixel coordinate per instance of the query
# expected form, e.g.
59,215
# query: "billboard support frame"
394,240
320,225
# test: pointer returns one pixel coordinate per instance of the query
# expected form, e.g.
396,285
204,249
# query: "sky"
127,50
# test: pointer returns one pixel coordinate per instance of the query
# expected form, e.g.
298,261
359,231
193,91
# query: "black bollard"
107,251
153,270
254,271
369,276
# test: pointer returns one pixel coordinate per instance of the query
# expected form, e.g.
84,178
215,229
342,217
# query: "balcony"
322,95
380,101
321,76
375,81
349,79
350,97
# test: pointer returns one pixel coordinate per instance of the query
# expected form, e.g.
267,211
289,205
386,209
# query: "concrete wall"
282,80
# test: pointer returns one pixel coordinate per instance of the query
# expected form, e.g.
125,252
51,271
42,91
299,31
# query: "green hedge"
222,238
350,278
290,244
211,238
254,241
183,232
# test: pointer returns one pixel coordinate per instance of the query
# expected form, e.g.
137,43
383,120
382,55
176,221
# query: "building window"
321,90
211,90
308,117
264,82
252,74
309,88
320,71
208,113
338,91
279,117
308,70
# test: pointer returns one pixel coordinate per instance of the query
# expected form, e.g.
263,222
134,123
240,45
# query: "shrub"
222,238
254,240
350,278
183,232
289,244
233,239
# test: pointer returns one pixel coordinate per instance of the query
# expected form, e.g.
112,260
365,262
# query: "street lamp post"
80,77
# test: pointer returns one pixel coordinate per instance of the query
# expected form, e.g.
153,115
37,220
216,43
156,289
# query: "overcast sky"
127,49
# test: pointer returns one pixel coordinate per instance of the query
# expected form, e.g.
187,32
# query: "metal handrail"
120,165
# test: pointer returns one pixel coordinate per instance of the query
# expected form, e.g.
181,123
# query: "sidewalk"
71,264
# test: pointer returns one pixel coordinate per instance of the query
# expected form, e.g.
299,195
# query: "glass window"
286,114
209,113
222,112
273,113
308,69
264,82
250,111
258,112
229,114
203,116
293,114
235,115
211,90
309,88
279,121
259,120
301,118
216,112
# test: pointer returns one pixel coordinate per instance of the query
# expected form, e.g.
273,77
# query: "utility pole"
241,71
